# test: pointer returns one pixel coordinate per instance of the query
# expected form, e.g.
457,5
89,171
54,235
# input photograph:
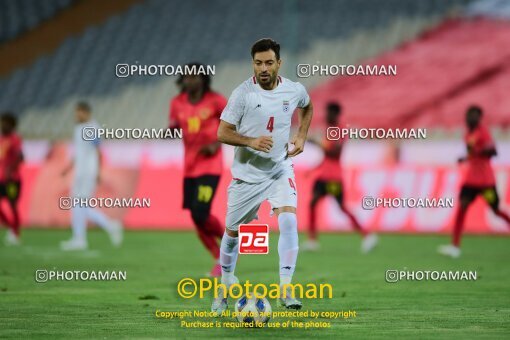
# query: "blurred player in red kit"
196,110
330,182
11,158
479,178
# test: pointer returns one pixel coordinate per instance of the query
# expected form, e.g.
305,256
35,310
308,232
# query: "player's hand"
262,143
209,150
299,146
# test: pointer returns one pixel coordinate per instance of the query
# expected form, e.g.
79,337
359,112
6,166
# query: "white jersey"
257,112
86,158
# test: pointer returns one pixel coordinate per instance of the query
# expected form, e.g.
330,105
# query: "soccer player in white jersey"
257,121
86,175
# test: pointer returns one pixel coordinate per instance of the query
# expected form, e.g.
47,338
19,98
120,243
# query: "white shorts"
244,199
84,186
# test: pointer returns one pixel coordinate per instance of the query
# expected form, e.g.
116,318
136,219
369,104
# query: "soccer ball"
253,310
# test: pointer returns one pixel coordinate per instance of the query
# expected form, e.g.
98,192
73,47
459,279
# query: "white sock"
228,257
98,218
79,223
288,246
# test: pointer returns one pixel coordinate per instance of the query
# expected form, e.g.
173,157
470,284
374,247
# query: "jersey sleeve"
304,98
235,107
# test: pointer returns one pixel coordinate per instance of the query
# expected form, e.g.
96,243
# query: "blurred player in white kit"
86,163
257,121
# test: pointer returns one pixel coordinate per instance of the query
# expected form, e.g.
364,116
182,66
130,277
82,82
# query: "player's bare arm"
487,152
227,134
11,167
299,139
67,169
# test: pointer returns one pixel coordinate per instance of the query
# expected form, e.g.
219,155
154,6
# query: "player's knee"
231,232
313,202
287,222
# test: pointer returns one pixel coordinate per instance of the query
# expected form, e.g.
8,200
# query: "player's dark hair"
476,109
9,118
83,106
334,107
266,44
205,78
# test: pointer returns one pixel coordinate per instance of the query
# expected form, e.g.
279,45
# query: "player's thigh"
12,191
467,195
336,189
84,186
188,192
204,189
243,202
283,191
3,189
318,191
490,195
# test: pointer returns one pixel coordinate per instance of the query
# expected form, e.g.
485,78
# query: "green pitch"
156,261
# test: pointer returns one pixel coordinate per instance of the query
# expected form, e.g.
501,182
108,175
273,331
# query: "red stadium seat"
459,63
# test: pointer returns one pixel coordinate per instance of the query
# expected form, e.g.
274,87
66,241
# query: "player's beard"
266,82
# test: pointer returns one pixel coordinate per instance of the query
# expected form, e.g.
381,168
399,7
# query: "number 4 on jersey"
270,124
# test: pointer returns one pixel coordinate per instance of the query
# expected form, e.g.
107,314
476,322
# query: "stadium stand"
84,66
495,9
432,88
17,16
